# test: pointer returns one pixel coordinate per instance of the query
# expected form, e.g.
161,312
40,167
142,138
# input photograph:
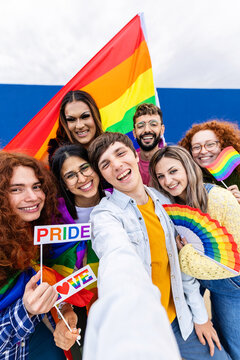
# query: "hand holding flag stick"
62,234
67,325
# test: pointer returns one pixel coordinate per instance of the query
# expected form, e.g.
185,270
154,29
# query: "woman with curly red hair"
27,198
206,140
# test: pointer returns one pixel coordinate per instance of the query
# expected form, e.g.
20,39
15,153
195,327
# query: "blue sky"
193,44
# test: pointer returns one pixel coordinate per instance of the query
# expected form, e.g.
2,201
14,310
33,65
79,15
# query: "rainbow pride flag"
225,163
119,77
14,288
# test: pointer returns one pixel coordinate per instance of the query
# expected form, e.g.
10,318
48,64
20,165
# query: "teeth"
123,174
147,137
86,186
82,132
30,208
205,157
172,186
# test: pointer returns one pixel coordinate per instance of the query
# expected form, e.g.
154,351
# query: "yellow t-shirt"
159,257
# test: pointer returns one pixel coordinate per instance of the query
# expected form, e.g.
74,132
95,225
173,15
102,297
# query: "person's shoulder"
223,196
105,203
219,191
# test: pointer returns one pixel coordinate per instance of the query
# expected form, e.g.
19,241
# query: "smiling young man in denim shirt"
134,214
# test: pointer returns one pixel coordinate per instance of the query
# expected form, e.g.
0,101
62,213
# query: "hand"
62,336
38,299
235,191
207,331
181,242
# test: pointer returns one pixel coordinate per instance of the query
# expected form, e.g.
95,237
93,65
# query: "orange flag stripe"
135,65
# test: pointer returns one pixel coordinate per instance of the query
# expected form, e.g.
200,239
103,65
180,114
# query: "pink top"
144,166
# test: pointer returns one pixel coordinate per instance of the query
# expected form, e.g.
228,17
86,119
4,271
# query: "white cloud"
192,43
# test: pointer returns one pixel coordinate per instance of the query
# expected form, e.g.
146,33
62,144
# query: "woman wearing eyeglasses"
80,191
205,141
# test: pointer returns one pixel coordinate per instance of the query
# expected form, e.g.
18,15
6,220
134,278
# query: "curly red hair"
227,133
16,236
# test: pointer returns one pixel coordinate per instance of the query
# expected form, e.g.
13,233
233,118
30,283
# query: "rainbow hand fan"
206,235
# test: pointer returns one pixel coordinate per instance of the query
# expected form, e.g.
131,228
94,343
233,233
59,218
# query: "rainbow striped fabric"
225,163
206,235
14,288
119,77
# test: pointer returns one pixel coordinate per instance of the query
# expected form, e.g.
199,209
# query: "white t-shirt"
83,214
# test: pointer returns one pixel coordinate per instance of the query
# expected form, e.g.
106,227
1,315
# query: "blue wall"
19,104
181,107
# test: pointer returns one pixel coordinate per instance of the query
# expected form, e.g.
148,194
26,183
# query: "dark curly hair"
227,133
147,109
16,235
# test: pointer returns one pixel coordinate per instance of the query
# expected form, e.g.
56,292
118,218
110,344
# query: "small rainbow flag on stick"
225,163
119,77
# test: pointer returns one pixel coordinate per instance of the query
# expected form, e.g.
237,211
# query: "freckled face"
25,194
209,147
80,122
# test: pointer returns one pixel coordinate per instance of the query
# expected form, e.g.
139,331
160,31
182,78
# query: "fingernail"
79,331
79,337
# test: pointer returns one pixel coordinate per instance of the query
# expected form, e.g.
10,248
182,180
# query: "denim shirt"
117,220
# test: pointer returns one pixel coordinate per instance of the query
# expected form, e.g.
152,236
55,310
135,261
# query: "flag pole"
224,184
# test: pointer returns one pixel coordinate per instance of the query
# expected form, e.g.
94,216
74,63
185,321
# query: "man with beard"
148,131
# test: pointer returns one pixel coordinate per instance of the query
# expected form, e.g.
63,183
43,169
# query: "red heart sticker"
63,289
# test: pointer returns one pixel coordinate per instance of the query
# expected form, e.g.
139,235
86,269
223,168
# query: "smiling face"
148,130
25,194
119,166
80,122
81,181
172,177
205,156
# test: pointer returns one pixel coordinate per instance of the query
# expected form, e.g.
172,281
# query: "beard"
149,147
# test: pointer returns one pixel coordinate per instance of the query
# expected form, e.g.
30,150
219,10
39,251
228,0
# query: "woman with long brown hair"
177,176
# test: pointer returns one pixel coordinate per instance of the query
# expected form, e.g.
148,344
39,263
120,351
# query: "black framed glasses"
209,146
71,177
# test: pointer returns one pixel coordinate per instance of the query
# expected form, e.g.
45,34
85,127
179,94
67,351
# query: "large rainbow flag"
225,163
119,77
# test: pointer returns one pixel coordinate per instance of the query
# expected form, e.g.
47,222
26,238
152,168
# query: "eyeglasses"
209,146
152,123
72,177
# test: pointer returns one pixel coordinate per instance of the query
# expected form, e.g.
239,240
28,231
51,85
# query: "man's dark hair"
147,109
